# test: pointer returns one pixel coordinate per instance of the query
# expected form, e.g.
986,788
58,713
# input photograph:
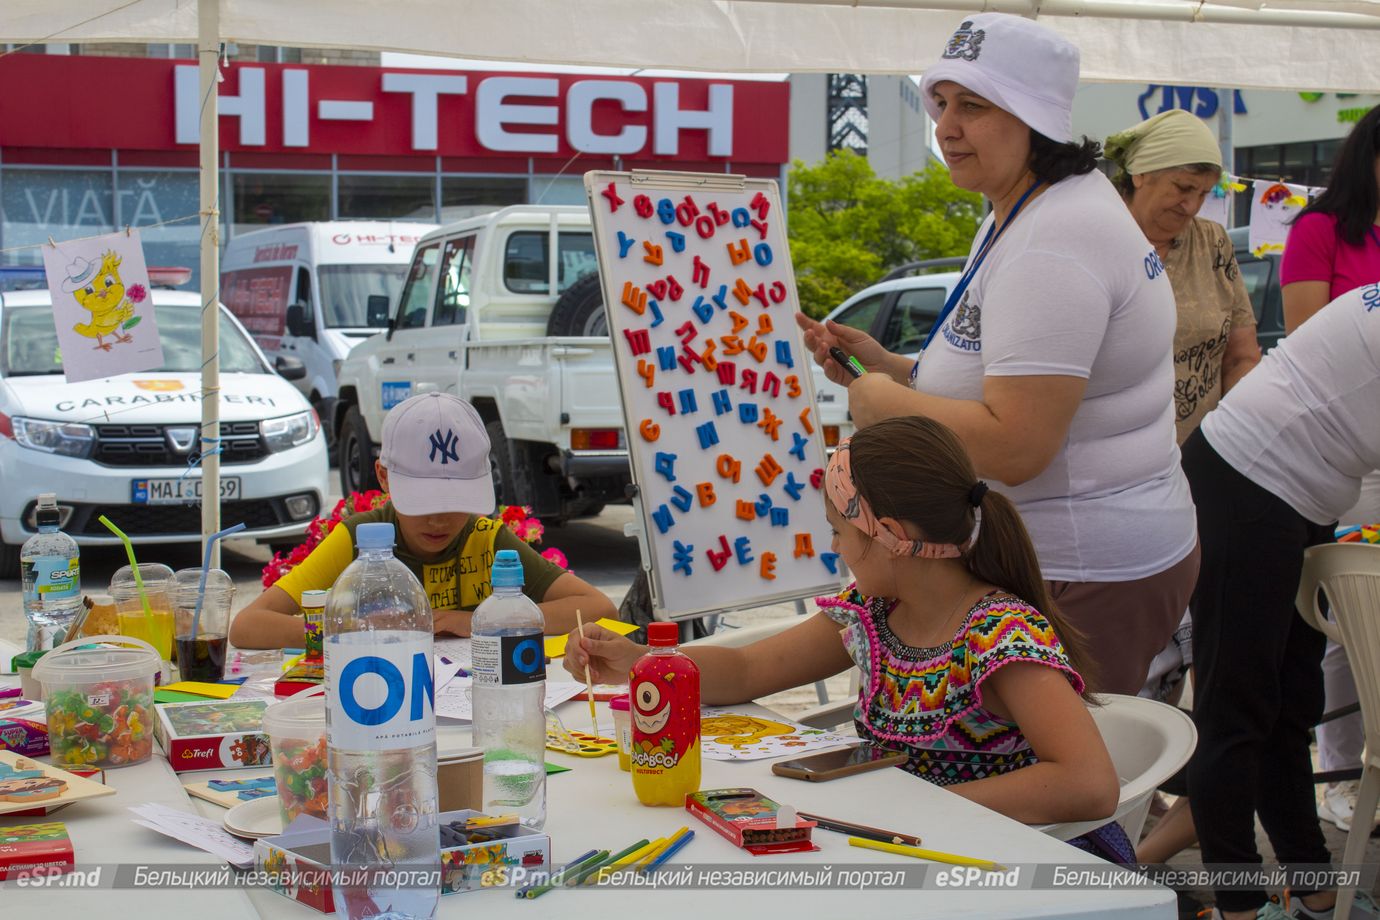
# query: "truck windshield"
526,254
29,343
345,291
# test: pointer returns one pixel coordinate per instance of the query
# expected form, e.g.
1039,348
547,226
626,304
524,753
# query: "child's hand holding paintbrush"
597,655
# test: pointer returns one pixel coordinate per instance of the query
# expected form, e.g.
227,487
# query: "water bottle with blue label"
509,695
50,573
381,737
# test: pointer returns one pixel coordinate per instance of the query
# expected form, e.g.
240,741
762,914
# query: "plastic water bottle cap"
374,536
507,571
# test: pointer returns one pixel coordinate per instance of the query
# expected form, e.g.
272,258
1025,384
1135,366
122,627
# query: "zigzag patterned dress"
928,701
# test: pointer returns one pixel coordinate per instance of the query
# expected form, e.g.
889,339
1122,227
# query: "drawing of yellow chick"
98,288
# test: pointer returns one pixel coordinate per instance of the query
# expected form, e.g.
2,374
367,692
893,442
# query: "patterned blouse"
929,700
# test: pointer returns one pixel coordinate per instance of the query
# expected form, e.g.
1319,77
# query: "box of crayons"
476,852
752,821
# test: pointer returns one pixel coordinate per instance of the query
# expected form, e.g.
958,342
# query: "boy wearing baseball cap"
435,468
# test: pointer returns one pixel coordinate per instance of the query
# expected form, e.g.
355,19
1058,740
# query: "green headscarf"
1173,138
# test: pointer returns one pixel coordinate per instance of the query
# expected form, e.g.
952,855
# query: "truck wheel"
9,560
508,479
580,310
356,455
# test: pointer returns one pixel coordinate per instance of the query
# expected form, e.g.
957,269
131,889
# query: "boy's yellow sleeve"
319,570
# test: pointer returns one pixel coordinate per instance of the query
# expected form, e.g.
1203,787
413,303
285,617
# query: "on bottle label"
509,660
380,694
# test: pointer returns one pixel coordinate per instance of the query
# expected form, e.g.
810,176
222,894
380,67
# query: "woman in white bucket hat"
1052,358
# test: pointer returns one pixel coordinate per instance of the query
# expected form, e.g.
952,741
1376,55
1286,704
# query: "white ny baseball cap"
436,452
1016,63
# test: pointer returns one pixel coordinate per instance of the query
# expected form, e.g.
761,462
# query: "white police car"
126,446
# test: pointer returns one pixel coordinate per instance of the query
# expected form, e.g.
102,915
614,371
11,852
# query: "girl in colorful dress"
964,663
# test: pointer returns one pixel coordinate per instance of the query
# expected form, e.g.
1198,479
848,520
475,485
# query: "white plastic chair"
1349,574
1149,742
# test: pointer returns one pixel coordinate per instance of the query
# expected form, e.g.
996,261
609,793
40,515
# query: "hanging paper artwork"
1274,205
101,307
1218,204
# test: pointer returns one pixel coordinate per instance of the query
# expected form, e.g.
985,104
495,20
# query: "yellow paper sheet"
555,645
216,691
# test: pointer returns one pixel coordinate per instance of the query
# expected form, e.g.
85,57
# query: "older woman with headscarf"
1052,357
1166,168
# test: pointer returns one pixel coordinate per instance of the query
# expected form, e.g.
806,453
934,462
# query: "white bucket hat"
1017,64
436,452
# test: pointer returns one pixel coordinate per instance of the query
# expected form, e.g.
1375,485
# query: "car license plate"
174,491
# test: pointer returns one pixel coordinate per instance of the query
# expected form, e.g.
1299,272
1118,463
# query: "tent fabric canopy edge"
799,36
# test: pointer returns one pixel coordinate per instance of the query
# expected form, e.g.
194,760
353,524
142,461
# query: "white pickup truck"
487,314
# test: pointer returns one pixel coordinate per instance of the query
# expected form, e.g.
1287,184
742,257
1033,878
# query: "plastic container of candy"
297,737
99,701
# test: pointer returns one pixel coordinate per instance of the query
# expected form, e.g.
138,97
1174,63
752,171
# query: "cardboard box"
33,846
23,736
296,860
752,821
214,734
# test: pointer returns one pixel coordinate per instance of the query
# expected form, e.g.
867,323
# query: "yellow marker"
628,860
664,845
918,853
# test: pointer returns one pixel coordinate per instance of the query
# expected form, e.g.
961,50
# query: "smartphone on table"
859,758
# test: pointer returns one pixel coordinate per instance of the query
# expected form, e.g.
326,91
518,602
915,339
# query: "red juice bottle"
665,690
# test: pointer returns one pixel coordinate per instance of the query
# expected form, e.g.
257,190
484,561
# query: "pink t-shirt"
1313,252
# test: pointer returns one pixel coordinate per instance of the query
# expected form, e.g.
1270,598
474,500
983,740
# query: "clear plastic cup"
157,629
622,729
297,737
201,657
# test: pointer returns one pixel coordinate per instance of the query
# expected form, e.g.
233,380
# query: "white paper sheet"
458,651
453,701
444,671
202,833
726,735
101,307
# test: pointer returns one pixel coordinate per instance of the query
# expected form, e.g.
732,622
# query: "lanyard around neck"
993,234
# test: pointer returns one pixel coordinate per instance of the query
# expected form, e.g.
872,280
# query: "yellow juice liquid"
156,630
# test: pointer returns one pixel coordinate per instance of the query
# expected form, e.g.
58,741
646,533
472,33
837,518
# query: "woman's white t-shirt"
1073,288
1305,423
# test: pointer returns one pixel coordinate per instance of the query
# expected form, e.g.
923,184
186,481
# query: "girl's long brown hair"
915,469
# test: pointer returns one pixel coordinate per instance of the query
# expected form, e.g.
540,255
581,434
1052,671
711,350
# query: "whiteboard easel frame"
642,526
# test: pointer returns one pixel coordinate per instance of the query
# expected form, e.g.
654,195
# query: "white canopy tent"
1286,44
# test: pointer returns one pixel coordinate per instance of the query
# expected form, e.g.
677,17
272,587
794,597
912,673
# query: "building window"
273,54
153,196
279,198
60,203
388,197
465,197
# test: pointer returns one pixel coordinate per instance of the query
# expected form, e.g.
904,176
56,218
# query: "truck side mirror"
297,321
377,311
290,368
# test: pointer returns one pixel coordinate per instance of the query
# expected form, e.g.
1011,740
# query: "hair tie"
976,493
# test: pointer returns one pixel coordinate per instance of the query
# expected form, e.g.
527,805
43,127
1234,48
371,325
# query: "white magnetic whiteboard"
719,407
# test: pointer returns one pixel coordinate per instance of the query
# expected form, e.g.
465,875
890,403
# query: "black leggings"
1258,687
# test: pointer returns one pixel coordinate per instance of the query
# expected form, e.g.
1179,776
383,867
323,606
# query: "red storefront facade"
95,143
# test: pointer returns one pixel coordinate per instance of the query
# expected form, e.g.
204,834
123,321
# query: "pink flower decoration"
137,293
532,530
556,556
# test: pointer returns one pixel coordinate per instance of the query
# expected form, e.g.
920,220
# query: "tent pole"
208,56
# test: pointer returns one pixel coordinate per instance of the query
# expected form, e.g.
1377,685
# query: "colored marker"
846,361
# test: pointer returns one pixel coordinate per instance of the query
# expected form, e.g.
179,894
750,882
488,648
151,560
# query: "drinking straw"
918,853
589,681
206,570
134,567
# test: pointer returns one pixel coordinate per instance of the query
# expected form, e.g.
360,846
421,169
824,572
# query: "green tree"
848,227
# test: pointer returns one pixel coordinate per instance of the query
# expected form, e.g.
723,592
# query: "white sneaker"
1339,803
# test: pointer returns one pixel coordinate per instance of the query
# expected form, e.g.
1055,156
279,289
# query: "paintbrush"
589,681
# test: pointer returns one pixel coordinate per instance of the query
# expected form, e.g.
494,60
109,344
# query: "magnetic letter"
683,555
643,206
763,505
798,445
783,352
666,465
793,488
703,309
686,332
720,299
831,562
688,403
728,372
704,226
771,383
749,380
663,399
611,193
674,289
761,254
700,273
647,371
649,430
663,519
742,548
768,469
708,435
634,298
738,252
747,413
666,211
804,545
653,253
770,423
638,341
682,498
742,292
778,292
768,568
804,414
625,243
705,491
720,559
760,203
666,357
745,511
722,402
678,242
780,517
728,467
741,217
